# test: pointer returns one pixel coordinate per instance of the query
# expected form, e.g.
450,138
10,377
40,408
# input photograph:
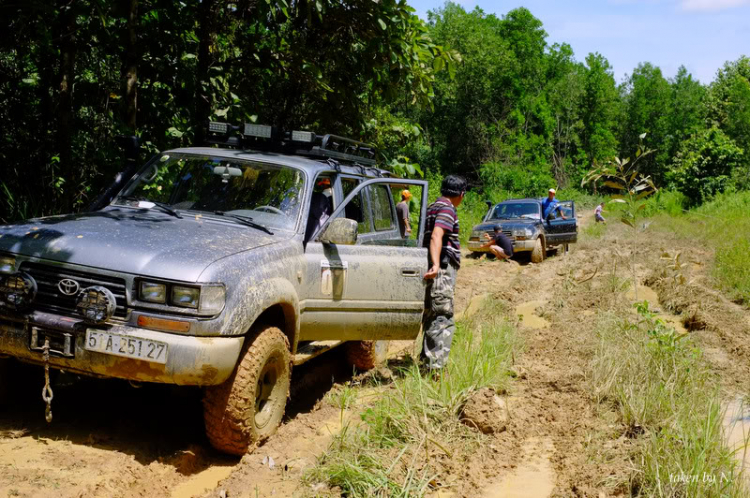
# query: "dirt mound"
486,411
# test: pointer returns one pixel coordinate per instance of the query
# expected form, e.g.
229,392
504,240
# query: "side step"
310,350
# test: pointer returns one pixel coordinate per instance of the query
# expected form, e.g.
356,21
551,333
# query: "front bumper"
475,245
199,361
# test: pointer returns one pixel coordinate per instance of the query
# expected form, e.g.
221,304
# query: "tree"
705,164
600,108
646,105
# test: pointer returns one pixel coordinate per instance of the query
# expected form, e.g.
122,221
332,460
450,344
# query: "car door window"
356,209
382,213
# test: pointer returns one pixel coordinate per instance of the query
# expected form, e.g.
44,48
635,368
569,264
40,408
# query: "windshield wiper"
245,220
164,207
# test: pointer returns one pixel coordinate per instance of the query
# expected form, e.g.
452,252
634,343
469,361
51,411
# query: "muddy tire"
537,254
366,355
247,408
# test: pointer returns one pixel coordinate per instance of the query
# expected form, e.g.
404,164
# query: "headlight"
153,292
206,299
522,232
7,264
97,304
17,291
476,233
185,297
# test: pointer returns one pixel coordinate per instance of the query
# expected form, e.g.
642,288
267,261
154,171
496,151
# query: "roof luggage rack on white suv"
302,143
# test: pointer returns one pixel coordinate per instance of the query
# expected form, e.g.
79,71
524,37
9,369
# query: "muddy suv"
223,268
521,221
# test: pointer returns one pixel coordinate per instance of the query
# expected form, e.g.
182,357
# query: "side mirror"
340,231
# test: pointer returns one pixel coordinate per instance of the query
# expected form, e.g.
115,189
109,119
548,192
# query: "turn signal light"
153,323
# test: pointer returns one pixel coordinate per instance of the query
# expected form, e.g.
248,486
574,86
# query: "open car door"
371,289
562,231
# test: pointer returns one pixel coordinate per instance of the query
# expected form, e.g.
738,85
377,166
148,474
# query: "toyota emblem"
68,287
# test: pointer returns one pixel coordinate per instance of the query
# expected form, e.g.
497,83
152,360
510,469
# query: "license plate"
127,346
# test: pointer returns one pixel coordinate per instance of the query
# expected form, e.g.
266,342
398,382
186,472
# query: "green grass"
724,226
668,401
388,453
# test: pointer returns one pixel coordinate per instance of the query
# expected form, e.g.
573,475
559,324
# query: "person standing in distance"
444,260
402,211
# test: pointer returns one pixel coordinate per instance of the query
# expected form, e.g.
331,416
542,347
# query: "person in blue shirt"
550,204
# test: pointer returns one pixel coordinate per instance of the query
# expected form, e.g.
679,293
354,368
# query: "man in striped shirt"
444,259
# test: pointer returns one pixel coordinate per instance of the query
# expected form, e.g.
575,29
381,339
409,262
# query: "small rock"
486,411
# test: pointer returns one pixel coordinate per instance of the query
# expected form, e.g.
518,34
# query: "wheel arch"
282,315
275,302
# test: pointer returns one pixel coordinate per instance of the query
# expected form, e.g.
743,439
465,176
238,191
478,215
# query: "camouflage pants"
437,322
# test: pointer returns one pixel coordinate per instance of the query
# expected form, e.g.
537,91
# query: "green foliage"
705,165
724,225
647,100
331,66
670,202
526,182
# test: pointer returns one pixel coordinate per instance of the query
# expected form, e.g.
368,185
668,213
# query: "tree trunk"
130,67
208,14
67,42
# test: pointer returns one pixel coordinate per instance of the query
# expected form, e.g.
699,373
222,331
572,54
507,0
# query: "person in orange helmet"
402,211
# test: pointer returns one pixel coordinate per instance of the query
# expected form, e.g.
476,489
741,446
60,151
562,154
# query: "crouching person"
444,259
499,245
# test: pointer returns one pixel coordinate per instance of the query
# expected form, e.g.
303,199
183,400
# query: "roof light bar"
303,136
216,127
256,130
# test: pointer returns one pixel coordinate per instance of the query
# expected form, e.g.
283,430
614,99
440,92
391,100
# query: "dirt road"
110,439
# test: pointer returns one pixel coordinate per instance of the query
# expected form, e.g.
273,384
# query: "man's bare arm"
436,246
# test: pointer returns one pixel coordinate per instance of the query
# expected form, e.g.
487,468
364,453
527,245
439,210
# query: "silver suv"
223,268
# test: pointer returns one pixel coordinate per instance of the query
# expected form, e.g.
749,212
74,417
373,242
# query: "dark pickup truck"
521,221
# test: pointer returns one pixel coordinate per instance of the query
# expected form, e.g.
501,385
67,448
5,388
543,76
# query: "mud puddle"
646,293
202,482
534,478
527,313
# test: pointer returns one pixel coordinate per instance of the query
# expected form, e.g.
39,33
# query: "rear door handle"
410,272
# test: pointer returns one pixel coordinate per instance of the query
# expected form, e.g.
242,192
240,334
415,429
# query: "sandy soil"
110,439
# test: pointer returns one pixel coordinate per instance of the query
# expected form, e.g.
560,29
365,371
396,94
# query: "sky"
699,34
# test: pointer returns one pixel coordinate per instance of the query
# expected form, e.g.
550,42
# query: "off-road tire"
234,425
366,355
537,254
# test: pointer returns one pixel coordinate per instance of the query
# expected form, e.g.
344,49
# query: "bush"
531,181
669,202
705,165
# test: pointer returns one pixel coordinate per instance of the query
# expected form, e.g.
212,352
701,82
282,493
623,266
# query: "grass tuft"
668,401
407,434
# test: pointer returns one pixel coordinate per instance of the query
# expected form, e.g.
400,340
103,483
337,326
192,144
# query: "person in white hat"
550,204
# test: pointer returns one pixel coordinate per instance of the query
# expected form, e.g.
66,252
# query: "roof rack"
303,143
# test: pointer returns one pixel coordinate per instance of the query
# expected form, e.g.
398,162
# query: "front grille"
49,298
507,233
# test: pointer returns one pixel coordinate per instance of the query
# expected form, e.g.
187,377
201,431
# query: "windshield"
516,210
268,194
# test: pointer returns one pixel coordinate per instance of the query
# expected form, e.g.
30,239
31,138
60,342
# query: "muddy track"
110,439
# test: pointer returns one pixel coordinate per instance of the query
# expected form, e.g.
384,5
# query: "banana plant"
632,188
